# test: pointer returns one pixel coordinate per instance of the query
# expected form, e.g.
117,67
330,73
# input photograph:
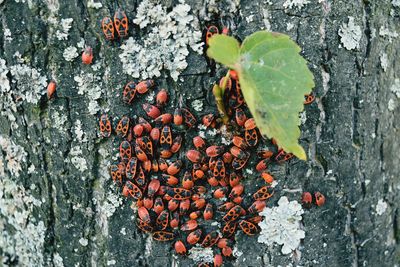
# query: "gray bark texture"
351,136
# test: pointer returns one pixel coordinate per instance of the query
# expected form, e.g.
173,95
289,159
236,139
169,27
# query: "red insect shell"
237,200
240,117
154,165
162,164
175,167
239,142
190,120
267,177
145,227
158,205
140,153
174,222
189,225
238,153
208,120
108,28
105,126
220,192
163,119
155,135
195,214
138,130
194,156
144,214
251,137
178,118
228,84
121,23
197,174
184,206
123,126
210,239
125,151
151,111
144,86
161,98
169,179
173,204
238,164
229,228
309,99
146,125
115,173
163,236
265,154
51,89
194,237
219,170
211,30
233,74
319,199
146,165
218,260
166,137
148,202
227,157
130,189
208,212
257,206
153,187
236,191
282,156
233,214
248,228
226,206
198,204
179,193
87,56
162,220
214,151
180,247
262,165
234,179
140,178
263,193
250,124
187,181
199,142
306,199
176,144
129,92
131,168
227,251
212,181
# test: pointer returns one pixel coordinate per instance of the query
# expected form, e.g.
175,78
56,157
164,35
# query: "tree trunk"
58,204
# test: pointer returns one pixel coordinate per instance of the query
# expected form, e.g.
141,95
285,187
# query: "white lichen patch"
14,156
289,4
385,32
164,43
58,120
303,117
70,53
7,34
83,241
22,236
93,4
57,260
350,34
384,61
66,25
391,105
200,254
381,207
396,3
90,84
197,105
395,88
282,225
77,159
79,133
30,84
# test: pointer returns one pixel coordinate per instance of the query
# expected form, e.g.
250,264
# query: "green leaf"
274,79
224,49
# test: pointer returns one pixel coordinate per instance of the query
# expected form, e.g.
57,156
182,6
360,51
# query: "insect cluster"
119,25
192,191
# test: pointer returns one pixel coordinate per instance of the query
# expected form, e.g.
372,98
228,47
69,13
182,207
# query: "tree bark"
351,136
